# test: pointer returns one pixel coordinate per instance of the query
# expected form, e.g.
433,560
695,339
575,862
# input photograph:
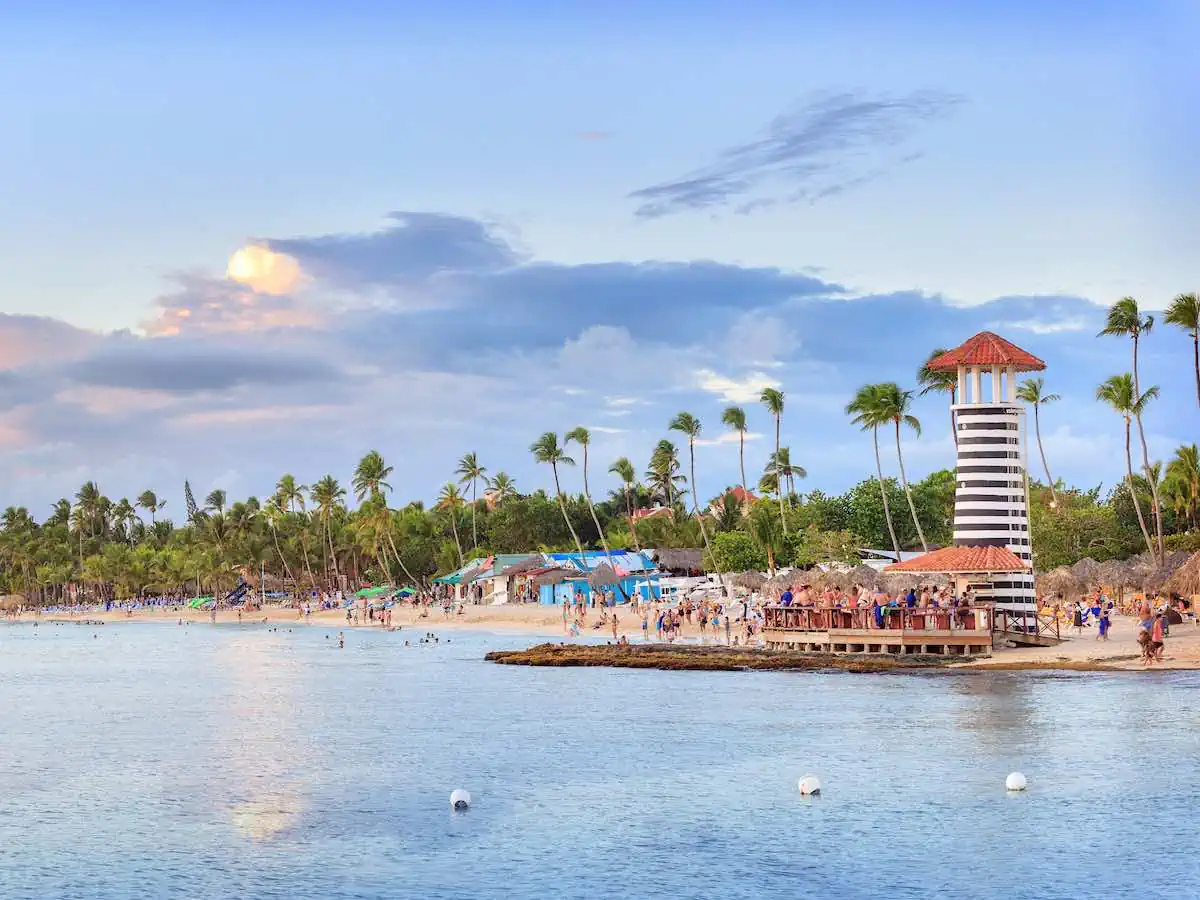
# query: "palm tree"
546,450
1184,471
274,513
149,501
370,476
215,501
583,438
867,413
123,517
450,500
1184,311
1126,320
88,501
686,423
327,495
502,486
942,382
291,497
1119,393
772,399
764,529
470,471
735,418
369,482
663,472
895,406
780,474
1030,391
623,469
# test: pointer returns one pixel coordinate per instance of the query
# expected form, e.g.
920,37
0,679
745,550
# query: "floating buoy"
810,786
1015,782
460,800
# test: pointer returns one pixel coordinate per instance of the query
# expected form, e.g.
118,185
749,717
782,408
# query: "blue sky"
489,225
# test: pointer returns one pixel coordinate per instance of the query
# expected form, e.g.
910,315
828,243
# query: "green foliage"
1078,526
736,551
812,546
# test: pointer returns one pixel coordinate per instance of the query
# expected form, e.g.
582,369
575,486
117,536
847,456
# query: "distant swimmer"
341,640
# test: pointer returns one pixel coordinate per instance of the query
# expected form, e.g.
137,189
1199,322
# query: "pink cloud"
34,339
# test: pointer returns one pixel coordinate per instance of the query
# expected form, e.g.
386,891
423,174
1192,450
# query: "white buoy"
460,800
1015,782
810,786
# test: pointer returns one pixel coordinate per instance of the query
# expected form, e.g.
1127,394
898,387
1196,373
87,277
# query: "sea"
247,761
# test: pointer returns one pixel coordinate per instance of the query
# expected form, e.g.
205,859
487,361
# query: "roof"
628,561
987,349
965,560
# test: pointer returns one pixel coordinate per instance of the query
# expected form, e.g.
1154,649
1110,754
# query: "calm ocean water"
211,761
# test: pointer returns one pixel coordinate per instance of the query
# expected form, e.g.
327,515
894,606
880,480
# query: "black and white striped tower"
991,503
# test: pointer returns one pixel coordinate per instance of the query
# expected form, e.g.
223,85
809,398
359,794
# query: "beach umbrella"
1061,581
751,581
1087,571
1185,580
865,576
602,576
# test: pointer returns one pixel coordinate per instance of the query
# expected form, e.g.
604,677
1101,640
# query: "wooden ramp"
1026,629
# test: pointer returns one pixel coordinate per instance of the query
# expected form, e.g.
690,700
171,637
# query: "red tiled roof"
967,560
987,349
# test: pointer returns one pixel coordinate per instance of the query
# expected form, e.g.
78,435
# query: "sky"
238,242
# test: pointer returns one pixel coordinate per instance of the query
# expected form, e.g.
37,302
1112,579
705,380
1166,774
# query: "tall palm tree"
1031,391
735,418
370,482
502,486
895,406
149,501
547,450
623,469
470,472
274,513
123,517
327,496
88,500
1119,393
1126,320
1184,311
941,382
686,423
867,413
583,438
291,496
772,399
450,500
370,476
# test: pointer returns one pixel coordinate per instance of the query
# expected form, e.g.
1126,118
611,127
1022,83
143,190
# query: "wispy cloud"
1044,326
825,146
729,437
734,390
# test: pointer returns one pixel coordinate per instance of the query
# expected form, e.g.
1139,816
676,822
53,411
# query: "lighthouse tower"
991,506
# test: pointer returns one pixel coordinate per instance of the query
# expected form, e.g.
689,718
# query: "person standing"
1105,622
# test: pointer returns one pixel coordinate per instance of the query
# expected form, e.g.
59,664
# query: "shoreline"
1075,653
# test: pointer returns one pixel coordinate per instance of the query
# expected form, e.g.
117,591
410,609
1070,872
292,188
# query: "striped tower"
991,506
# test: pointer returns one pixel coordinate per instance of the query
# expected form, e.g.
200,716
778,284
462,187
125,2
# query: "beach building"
635,574
491,582
991,552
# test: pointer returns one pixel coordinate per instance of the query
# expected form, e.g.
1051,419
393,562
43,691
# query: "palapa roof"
987,349
963,560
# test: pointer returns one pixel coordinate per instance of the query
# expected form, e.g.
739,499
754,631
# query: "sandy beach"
1121,651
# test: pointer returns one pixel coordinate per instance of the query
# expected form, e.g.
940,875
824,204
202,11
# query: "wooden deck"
917,632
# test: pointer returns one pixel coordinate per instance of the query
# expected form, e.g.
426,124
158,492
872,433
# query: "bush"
736,551
1189,541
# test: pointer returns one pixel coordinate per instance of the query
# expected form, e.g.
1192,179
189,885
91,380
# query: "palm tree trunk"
1146,459
1196,360
1037,430
742,462
400,559
1133,491
282,559
778,477
474,501
908,493
587,495
887,513
632,525
696,497
562,505
953,421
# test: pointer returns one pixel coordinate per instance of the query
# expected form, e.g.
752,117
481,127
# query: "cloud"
203,304
1042,326
730,437
32,339
826,145
414,247
264,271
746,389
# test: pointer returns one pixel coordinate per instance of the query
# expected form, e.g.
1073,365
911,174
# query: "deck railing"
1041,624
977,617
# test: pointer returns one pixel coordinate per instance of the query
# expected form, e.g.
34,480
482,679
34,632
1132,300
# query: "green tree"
149,501
449,501
734,417
1120,394
941,381
623,469
686,423
546,450
471,472
736,551
868,412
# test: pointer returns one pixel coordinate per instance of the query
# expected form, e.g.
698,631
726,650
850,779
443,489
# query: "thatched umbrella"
1087,570
781,582
751,581
602,576
866,576
1062,581
1185,580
